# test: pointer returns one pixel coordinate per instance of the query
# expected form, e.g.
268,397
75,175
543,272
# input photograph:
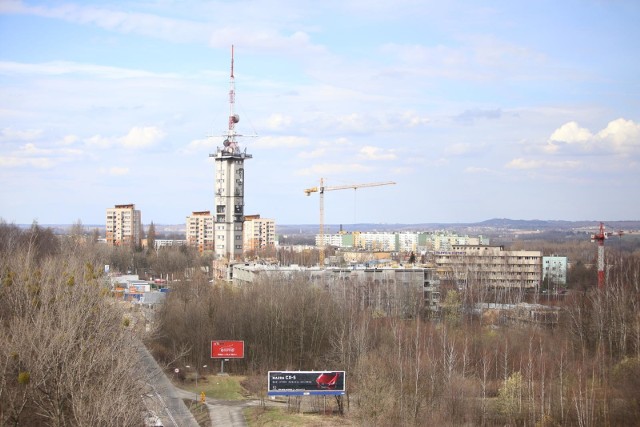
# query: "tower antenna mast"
231,143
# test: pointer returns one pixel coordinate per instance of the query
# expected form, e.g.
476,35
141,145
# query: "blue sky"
477,110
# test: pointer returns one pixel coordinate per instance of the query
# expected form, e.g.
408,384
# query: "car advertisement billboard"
227,349
306,383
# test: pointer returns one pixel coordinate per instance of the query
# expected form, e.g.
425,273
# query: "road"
162,397
223,413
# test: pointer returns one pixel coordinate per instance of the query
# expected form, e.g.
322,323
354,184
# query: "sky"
476,110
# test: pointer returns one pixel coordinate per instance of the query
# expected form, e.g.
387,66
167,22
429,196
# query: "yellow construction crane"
321,189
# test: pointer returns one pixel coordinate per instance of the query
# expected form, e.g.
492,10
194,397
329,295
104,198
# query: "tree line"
410,369
67,357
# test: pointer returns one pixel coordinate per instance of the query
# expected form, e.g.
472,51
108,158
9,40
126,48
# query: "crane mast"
320,190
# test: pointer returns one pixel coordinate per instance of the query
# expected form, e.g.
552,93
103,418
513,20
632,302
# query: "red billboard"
227,349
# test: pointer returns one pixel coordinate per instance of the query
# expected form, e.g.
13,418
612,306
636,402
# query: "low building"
490,266
387,291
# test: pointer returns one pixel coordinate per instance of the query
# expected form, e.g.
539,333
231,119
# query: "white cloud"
278,121
37,162
141,137
478,170
200,145
263,39
61,68
9,134
376,153
123,22
623,135
326,169
521,163
313,154
571,133
619,137
280,142
116,171
138,137
461,149
413,119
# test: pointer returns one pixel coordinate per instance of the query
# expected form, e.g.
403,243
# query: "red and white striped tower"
600,238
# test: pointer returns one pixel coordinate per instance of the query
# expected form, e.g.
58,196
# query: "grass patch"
280,417
215,386
200,412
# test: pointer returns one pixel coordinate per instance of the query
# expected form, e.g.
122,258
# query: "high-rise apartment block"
200,231
123,226
259,233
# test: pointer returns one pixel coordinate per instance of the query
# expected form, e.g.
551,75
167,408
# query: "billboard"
306,383
227,349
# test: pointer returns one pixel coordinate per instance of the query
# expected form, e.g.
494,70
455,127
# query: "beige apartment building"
123,226
258,233
490,266
200,231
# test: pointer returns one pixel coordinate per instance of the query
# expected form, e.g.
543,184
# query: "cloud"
35,154
141,137
462,149
413,119
278,121
619,137
571,133
478,170
262,39
326,169
62,68
376,153
200,145
138,137
475,114
116,171
37,162
10,135
520,163
622,135
313,154
281,142
171,29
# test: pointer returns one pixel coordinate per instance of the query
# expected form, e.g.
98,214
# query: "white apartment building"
259,233
123,226
400,241
200,231
490,266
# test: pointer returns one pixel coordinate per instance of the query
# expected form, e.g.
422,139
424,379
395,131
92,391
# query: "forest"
451,370
67,347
